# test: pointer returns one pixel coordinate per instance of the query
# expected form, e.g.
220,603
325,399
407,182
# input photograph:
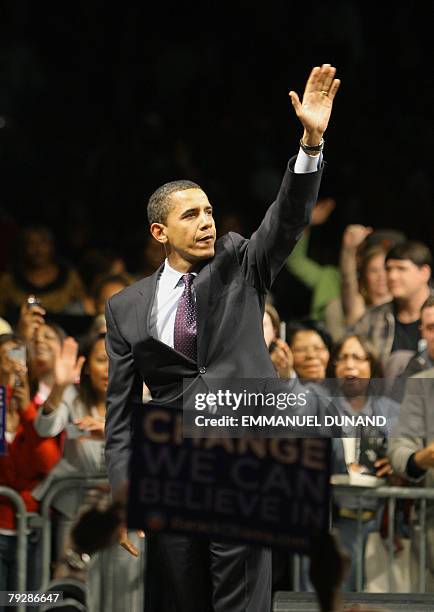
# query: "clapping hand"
92,425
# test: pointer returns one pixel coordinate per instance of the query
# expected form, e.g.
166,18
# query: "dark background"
101,104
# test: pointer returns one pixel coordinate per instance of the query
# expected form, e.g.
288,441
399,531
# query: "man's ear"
427,269
158,231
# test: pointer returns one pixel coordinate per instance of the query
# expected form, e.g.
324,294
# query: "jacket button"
202,370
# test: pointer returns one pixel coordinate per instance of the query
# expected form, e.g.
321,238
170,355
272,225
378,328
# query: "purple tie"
185,332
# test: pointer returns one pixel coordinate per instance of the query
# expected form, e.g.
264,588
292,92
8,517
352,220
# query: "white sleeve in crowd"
50,425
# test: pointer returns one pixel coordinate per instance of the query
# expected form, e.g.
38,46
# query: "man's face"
404,278
427,328
189,229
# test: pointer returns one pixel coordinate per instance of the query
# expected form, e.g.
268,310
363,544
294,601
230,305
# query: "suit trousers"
198,574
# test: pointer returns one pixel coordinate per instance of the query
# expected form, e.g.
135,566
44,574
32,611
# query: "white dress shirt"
170,286
169,290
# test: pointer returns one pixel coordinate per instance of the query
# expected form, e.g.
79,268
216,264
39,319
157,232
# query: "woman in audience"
40,272
46,343
28,459
363,284
310,347
361,450
79,410
323,280
280,352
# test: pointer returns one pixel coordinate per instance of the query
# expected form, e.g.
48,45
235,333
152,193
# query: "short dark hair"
416,252
308,324
428,303
10,338
57,329
107,279
159,202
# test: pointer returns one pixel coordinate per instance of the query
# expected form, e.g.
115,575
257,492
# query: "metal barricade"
392,494
71,482
21,516
80,481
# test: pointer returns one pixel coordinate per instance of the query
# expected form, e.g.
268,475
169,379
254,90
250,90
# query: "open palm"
315,108
67,367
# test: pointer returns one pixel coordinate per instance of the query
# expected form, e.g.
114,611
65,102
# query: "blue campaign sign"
270,491
2,419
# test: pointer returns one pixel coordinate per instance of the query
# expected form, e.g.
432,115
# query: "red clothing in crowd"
28,460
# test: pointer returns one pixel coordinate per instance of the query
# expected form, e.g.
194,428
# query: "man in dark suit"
200,317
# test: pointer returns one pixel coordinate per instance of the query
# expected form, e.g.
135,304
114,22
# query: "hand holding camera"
20,389
31,317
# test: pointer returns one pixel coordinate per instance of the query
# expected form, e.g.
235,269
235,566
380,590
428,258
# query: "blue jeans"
347,530
8,562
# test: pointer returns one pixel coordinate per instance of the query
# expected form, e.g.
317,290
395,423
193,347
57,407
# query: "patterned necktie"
185,332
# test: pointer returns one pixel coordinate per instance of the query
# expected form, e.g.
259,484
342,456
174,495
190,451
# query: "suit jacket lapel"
202,284
146,289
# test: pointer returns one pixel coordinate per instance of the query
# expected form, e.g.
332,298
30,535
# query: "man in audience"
395,326
424,359
411,449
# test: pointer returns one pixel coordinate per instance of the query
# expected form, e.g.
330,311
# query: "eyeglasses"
347,357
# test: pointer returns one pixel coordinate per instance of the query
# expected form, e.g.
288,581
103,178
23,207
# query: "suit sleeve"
362,327
123,383
409,436
265,253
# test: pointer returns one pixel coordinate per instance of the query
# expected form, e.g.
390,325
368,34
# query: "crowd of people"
370,317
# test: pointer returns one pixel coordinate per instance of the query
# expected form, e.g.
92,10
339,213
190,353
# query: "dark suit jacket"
230,294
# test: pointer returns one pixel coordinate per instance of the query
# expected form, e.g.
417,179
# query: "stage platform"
395,602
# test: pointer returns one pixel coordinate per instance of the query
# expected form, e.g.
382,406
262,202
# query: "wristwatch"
312,149
76,560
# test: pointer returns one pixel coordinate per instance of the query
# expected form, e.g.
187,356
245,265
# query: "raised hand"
316,106
322,211
282,358
354,235
30,320
67,366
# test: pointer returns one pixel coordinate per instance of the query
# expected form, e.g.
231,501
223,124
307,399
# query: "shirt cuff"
307,163
413,470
